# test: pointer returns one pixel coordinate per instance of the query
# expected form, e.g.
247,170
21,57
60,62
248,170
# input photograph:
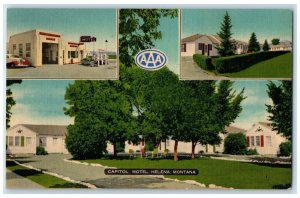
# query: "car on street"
13,60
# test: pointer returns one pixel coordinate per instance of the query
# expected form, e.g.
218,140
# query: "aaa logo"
151,59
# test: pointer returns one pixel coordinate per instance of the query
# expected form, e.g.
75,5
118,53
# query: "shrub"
149,146
251,152
86,141
285,148
235,144
41,151
237,63
155,152
131,151
166,153
203,61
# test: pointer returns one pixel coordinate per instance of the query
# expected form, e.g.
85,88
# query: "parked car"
13,60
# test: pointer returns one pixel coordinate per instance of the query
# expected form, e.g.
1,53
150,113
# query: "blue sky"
267,24
169,42
72,23
42,102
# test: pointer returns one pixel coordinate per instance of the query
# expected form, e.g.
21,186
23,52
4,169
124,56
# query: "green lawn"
278,67
239,175
45,180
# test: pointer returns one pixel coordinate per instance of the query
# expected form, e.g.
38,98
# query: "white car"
13,60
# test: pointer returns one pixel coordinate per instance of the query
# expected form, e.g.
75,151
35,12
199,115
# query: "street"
95,175
70,71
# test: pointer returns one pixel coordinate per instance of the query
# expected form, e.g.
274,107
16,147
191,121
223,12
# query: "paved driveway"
191,71
14,181
71,71
95,175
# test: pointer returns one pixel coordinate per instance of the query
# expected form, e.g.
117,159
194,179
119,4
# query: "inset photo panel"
236,44
61,43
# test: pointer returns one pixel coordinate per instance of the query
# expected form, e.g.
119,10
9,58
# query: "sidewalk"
14,181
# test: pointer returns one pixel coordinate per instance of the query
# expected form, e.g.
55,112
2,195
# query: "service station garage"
45,48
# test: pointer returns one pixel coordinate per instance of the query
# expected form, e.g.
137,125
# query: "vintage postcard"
236,44
159,126
61,43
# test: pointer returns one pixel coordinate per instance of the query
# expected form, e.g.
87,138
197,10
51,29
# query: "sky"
267,24
42,102
169,43
71,23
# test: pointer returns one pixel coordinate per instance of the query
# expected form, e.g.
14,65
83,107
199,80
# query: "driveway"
14,181
70,71
189,70
95,175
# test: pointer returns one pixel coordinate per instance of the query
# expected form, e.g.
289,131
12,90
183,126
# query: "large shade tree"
138,30
101,113
281,108
10,102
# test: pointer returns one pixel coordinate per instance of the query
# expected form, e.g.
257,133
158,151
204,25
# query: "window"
10,141
209,47
28,141
73,54
21,50
28,49
17,140
257,140
252,141
55,140
268,141
183,47
200,46
205,48
42,141
14,48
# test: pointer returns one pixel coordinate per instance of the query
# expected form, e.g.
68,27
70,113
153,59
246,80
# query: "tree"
10,102
101,113
275,41
138,29
266,46
253,45
281,109
235,144
226,47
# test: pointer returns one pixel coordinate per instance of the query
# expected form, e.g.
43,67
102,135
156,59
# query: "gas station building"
45,48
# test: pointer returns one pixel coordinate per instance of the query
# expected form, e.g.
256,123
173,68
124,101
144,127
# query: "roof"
57,130
233,129
213,38
266,124
191,38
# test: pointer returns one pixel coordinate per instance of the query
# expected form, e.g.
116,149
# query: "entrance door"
48,52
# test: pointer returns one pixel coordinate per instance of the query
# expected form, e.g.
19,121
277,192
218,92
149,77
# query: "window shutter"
262,141
6,140
22,141
248,141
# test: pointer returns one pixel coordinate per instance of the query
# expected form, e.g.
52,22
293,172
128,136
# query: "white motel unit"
265,140
43,48
24,138
206,45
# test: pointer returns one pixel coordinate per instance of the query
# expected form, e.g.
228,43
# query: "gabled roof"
57,130
191,38
266,124
215,39
233,129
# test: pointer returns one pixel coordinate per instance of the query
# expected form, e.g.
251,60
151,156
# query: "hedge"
203,61
237,63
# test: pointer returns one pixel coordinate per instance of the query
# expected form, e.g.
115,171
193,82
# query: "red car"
16,61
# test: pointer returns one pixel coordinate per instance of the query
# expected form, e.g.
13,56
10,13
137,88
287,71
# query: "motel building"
45,48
